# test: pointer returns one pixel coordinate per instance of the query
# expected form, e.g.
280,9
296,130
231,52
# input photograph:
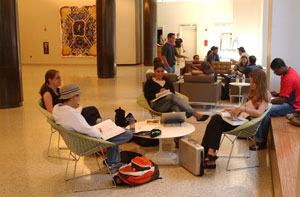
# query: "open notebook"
109,129
227,118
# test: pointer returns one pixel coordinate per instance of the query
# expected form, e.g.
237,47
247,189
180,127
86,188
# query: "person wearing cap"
66,115
242,52
50,96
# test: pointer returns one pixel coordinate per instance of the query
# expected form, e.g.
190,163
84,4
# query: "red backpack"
138,172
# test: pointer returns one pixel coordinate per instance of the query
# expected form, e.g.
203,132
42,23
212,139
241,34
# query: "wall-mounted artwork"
78,28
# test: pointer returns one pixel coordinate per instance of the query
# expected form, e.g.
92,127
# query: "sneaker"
258,146
114,168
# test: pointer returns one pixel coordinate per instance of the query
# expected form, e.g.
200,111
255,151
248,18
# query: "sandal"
203,118
210,159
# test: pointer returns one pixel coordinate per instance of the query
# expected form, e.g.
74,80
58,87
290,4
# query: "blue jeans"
113,152
276,110
173,102
170,69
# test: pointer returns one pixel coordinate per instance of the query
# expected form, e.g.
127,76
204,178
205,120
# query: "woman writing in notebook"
161,96
259,99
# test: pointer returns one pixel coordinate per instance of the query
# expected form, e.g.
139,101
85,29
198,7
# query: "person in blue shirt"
213,56
251,66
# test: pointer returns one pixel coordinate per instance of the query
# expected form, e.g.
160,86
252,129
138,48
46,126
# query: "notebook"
172,117
109,129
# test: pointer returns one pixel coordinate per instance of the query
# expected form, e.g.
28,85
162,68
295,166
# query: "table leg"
240,92
163,157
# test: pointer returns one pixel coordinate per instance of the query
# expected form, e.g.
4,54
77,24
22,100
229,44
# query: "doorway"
188,33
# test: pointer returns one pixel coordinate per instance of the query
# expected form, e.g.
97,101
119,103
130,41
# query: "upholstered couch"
188,67
221,67
201,88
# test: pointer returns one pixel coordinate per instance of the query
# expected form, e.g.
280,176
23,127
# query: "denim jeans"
276,110
170,69
113,152
173,102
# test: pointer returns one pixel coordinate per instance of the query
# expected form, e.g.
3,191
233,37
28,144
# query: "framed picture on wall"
78,31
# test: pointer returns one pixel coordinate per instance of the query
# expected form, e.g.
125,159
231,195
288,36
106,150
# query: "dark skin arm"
279,100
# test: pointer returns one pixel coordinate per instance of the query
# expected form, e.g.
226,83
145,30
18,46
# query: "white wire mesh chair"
248,131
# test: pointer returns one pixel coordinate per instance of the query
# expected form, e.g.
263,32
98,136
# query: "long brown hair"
260,79
50,74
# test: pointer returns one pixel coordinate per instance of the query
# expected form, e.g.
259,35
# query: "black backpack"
120,119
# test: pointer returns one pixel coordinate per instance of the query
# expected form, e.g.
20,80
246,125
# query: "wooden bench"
284,145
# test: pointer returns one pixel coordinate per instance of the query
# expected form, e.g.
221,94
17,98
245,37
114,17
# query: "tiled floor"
25,169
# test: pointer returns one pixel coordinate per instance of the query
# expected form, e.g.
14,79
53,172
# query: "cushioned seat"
142,101
221,67
201,88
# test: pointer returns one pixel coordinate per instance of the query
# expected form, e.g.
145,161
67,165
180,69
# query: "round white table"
167,131
240,85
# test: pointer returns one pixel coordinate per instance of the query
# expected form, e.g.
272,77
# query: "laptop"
172,117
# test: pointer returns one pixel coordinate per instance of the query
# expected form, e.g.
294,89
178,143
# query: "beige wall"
203,13
285,31
247,26
125,32
34,16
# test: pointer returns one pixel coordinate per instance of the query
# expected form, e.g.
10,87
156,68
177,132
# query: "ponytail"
50,74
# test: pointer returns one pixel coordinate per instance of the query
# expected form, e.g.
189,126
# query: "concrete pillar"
150,39
106,38
10,68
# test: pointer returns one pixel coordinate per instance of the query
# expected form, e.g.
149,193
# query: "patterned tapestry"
78,26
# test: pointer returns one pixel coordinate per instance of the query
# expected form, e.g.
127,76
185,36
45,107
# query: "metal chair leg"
50,142
227,166
106,164
97,162
74,173
67,167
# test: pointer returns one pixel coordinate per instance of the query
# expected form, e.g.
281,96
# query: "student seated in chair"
50,96
258,103
252,66
205,69
238,69
170,102
284,103
66,115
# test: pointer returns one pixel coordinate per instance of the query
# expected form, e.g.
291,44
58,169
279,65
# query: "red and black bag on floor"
138,172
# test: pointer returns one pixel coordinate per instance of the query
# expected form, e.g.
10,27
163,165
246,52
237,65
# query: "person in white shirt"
242,52
66,115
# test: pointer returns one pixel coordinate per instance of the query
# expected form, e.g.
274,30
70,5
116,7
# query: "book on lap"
161,95
109,129
234,122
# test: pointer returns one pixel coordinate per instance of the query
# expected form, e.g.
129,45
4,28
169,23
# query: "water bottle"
243,78
132,124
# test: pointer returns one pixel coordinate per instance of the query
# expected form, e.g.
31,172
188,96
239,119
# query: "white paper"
161,94
227,118
109,129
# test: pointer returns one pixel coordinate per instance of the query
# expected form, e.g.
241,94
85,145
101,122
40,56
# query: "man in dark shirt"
196,59
251,66
286,102
213,56
169,53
